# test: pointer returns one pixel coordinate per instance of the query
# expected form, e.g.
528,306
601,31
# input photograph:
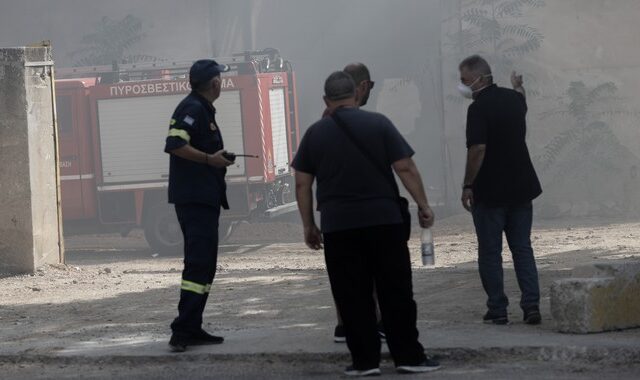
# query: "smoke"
412,48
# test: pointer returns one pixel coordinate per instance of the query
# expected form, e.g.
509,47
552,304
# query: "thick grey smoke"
579,57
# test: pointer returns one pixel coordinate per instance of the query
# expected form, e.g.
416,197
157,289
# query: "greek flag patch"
189,120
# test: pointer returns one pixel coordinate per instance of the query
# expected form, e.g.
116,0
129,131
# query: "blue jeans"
515,221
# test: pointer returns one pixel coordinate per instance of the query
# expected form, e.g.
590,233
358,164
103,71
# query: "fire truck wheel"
162,230
285,195
225,227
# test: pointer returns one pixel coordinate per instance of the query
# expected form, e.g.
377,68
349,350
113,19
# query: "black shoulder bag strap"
403,203
366,153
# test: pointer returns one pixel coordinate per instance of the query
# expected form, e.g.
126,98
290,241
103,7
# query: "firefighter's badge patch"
189,120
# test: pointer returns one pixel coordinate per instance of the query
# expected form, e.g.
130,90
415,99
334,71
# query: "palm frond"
514,8
555,147
476,16
111,40
524,48
534,3
601,90
521,31
491,31
511,8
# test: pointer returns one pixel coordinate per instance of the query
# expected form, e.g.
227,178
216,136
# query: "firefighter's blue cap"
205,69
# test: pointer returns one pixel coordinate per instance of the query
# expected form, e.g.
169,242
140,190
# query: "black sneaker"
204,338
428,365
178,343
350,371
338,334
496,319
532,316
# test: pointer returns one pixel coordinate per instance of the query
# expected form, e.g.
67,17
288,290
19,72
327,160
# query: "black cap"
205,69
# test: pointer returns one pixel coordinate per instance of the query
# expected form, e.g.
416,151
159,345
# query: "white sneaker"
350,371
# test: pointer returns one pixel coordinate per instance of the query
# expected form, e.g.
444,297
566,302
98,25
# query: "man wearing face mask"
198,191
499,185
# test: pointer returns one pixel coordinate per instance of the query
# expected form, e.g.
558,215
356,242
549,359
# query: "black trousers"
199,224
356,260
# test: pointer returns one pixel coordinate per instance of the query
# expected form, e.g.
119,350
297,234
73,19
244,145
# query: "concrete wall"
28,210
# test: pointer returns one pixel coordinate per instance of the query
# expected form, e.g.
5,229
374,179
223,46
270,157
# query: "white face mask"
467,91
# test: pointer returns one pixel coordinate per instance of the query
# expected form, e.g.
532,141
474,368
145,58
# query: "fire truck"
113,121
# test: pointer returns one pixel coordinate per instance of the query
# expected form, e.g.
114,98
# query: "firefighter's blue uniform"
198,191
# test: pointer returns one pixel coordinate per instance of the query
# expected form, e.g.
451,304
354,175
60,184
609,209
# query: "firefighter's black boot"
204,338
187,326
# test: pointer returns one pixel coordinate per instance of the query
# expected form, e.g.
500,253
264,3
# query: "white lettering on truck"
158,88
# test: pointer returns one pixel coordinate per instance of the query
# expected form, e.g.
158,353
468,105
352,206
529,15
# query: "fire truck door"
68,137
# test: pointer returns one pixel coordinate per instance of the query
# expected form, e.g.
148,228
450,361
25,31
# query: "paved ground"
105,314
287,368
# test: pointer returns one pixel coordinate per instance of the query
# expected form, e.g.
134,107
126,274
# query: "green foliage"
112,41
490,29
586,106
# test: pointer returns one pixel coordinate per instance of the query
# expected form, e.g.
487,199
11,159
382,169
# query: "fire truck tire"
225,227
162,230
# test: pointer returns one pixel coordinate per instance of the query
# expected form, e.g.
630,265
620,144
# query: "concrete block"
29,227
599,297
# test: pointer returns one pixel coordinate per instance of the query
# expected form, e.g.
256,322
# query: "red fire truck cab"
113,121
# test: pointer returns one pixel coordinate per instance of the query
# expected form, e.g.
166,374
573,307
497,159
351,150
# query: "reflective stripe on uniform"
181,133
173,122
194,287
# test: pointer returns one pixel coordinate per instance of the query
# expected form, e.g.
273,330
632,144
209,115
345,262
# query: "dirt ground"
108,265
114,287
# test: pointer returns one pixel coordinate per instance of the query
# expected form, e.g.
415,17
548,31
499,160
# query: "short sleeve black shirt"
193,122
497,118
351,192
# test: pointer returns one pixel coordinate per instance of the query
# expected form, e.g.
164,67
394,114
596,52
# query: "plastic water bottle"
426,247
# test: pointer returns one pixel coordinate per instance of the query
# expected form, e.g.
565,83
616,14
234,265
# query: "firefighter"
197,189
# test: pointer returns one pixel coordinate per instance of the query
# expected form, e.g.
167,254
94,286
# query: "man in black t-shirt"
499,185
359,72
362,226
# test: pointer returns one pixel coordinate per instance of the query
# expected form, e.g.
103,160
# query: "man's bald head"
362,78
358,71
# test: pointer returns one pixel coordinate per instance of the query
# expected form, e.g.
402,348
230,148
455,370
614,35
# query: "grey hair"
339,85
477,64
